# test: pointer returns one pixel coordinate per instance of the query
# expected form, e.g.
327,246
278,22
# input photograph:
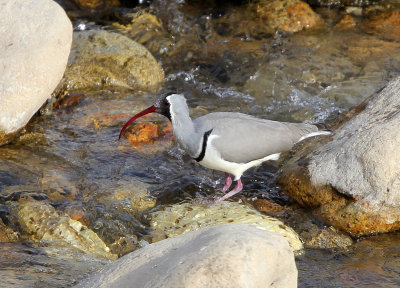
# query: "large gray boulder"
35,41
353,181
230,255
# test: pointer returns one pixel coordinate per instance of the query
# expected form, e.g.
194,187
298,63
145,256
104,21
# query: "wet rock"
312,233
289,15
7,234
31,265
34,50
136,192
113,214
147,29
352,181
148,132
57,187
385,25
42,222
105,121
183,218
69,101
347,22
329,238
222,256
106,59
76,212
93,4
336,3
266,206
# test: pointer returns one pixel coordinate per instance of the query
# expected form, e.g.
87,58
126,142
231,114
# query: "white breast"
213,160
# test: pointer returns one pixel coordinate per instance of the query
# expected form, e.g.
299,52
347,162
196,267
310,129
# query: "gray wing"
244,138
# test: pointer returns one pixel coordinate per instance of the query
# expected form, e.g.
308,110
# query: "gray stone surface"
363,160
35,41
230,255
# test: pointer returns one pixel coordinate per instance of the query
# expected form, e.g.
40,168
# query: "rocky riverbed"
73,199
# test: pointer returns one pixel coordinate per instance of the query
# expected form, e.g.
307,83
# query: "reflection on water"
372,262
28,265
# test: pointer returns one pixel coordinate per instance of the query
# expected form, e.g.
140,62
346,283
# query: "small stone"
143,133
267,207
347,22
289,15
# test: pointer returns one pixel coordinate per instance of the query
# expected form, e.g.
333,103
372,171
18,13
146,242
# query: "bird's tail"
322,130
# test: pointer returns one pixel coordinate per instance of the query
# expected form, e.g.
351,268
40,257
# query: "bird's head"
162,106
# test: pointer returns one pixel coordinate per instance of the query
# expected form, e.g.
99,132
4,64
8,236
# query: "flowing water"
308,76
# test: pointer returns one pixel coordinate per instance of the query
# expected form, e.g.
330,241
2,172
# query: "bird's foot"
237,189
228,182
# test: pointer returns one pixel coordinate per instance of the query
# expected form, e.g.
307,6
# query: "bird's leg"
237,189
228,182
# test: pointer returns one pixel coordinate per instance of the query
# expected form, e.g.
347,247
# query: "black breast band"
204,146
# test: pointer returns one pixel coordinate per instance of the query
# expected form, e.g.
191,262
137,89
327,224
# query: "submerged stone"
182,218
42,222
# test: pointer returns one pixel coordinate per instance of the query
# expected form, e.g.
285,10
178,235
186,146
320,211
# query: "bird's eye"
166,103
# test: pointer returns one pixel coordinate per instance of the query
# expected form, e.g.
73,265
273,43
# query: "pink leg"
228,182
237,189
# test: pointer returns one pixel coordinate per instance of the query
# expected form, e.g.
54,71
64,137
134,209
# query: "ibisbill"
228,141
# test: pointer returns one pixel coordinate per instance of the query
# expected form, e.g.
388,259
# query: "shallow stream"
72,157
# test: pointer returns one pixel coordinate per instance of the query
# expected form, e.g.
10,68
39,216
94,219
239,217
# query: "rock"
42,222
93,4
7,234
147,30
183,218
352,182
347,22
234,255
266,206
58,188
148,132
106,59
27,264
329,238
385,25
312,233
289,15
136,192
34,48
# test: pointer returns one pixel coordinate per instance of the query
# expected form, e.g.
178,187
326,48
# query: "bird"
230,142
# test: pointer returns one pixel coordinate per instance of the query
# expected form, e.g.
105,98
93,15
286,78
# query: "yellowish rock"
182,218
107,59
42,222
